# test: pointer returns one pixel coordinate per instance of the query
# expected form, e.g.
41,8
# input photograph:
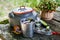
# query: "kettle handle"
11,15
22,7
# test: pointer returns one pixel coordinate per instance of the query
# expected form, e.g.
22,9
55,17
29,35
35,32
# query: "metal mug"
27,28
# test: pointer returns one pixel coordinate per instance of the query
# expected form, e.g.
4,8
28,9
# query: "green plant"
58,2
4,21
47,5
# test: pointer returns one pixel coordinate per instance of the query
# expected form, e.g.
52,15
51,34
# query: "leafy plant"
47,5
58,2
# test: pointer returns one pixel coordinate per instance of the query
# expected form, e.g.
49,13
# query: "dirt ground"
4,33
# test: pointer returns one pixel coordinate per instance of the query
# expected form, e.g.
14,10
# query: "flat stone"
57,16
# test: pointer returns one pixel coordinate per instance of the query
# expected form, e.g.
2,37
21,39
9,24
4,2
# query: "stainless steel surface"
27,29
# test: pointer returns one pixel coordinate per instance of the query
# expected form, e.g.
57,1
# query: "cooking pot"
19,14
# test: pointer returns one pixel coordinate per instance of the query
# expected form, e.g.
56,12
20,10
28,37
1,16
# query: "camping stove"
22,15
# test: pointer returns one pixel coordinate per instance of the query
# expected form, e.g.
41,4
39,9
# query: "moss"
4,21
1,37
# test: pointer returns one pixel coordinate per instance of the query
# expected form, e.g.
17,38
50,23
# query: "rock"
58,9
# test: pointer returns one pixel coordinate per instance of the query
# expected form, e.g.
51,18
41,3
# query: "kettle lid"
22,10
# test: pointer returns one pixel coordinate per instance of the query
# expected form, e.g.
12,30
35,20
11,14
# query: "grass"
7,5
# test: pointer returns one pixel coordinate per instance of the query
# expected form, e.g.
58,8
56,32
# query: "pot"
21,14
47,15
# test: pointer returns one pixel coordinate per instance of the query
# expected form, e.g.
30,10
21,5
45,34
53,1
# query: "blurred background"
7,5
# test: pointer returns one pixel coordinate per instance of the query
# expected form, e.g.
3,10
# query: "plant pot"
47,15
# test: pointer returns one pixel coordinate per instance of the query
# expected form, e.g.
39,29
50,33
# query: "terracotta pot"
47,15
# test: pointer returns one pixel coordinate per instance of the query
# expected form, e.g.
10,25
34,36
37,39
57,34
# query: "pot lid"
22,10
